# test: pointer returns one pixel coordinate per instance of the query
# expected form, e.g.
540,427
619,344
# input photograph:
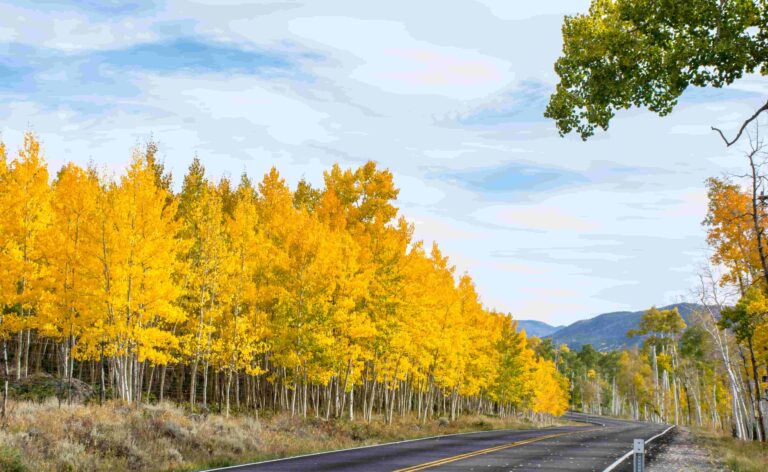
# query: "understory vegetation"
119,437
736,455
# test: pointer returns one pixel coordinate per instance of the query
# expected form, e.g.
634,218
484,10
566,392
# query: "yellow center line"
467,455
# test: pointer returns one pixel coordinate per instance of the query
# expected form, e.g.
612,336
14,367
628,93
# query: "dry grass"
737,456
116,437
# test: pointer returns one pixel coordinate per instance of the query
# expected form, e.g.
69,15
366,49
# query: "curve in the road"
572,448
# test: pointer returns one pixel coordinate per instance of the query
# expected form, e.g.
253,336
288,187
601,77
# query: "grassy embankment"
117,437
735,455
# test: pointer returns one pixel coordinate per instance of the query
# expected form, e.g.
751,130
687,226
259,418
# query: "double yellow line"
467,455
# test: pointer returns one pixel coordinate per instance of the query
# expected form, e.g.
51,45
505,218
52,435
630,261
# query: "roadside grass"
118,437
735,455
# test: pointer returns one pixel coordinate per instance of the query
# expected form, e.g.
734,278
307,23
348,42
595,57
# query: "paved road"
591,447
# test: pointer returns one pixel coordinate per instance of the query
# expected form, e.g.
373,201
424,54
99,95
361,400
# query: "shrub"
10,460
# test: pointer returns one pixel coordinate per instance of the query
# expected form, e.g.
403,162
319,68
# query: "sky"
447,95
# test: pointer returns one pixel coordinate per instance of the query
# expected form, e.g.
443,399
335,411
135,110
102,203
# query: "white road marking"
625,456
375,445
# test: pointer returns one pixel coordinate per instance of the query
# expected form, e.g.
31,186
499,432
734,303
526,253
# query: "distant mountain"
608,331
537,328
604,332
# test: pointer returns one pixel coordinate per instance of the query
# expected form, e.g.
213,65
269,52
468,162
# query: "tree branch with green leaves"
646,53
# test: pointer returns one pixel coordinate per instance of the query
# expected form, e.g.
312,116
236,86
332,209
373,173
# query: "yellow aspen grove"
687,372
315,301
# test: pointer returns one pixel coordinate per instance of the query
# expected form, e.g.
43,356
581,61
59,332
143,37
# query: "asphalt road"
591,447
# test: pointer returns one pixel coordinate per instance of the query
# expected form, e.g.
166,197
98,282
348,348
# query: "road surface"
591,447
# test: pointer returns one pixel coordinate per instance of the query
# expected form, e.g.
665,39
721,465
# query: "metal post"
639,455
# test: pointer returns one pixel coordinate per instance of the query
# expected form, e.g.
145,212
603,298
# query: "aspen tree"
26,215
730,233
141,293
5,274
202,217
749,316
549,392
73,271
514,385
364,207
306,270
242,329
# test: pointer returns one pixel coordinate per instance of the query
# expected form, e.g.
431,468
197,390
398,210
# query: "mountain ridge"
605,332
537,328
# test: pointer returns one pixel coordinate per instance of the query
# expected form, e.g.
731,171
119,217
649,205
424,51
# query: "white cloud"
386,81
541,218
391,60
67,31
284,118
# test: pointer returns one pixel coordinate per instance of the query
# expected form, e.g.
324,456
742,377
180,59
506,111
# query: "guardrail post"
639,455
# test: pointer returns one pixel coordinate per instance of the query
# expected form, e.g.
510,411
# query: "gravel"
681,453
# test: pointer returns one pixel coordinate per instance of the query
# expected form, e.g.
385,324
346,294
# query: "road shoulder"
679,451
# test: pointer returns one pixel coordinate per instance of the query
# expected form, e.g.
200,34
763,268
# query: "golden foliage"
325,283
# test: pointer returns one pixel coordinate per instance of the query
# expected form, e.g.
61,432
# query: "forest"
711,373
318,301
636,54
235,296
696,374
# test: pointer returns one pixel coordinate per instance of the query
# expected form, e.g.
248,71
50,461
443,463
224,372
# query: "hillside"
605,332
609,331
537,328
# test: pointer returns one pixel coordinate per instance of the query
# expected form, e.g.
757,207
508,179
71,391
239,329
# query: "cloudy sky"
448,95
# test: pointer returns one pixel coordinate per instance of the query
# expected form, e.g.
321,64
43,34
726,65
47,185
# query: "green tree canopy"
589,356
749,312
662,327
645,53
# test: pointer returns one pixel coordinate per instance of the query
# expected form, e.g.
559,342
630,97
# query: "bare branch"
743,126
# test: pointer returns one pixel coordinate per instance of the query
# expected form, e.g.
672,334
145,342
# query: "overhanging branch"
743,126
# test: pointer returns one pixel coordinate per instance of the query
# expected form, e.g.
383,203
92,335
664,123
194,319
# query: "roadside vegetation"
736,455
165,437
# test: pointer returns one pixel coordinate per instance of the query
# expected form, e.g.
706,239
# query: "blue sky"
551,228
